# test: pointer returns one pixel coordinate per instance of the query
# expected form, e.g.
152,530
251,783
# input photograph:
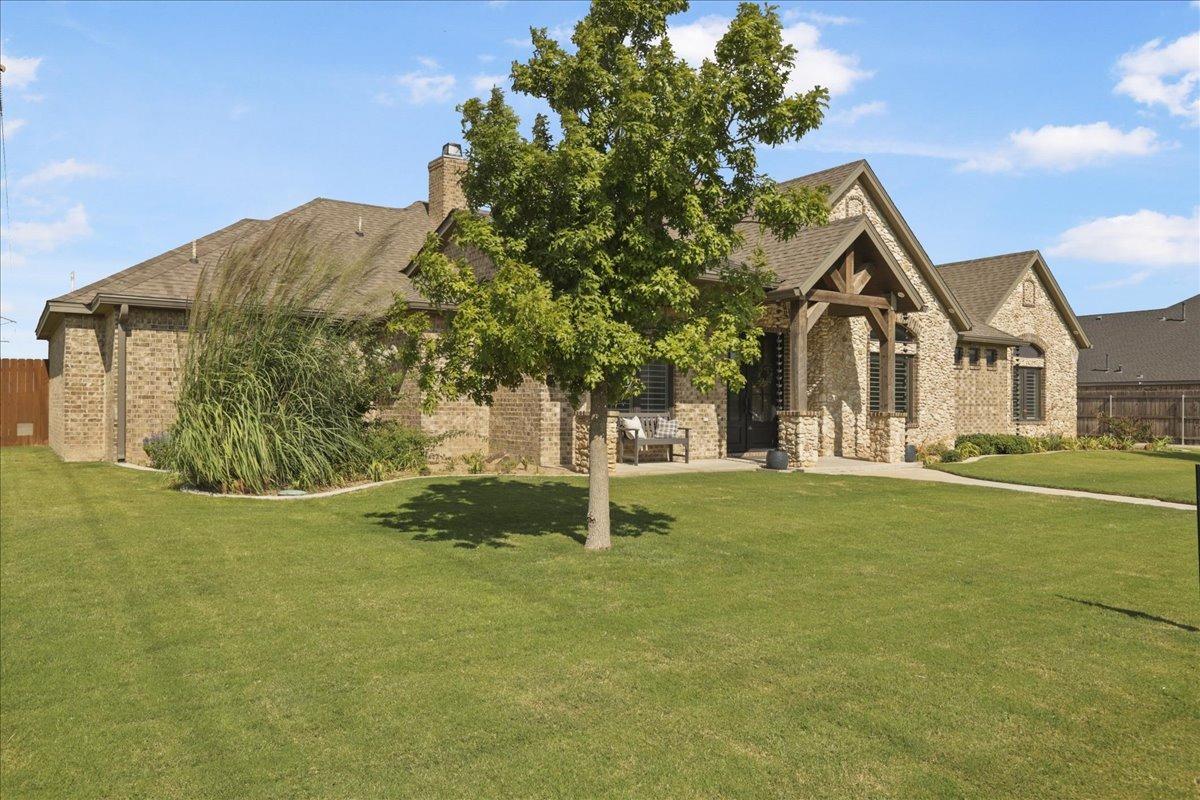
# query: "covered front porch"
821,382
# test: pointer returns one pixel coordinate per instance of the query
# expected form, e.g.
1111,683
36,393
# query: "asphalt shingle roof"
398,232
794,260
982,284
1148,346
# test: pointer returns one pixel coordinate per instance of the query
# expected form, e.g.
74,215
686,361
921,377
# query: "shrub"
398,448
474,462
1159,444
951,456
158,450
968,450
1125,428
985,442
278,373
930,453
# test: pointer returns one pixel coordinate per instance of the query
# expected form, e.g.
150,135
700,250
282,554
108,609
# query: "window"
974,356
1027,394
1028,350
993,356
958,356
906,380
656,397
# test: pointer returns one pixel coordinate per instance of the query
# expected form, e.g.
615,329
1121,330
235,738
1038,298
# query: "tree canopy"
610,226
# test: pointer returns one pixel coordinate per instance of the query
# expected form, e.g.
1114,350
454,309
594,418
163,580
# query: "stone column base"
885,435
798,437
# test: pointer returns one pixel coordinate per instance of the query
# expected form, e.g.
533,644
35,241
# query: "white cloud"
1163,75
484,83
20,72
820,18
1148,241
46,236
14,125
815,65
61,171
1063,148
855,113
426,85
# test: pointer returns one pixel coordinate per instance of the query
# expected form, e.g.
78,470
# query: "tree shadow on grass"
489,511
1132,612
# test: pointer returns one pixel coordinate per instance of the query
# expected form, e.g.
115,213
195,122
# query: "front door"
753,412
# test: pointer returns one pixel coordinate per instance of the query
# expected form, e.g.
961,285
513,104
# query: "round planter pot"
777,459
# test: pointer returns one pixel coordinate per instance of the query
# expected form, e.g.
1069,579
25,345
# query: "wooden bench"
640,442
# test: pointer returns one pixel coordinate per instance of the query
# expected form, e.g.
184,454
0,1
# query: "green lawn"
751,635
1165,476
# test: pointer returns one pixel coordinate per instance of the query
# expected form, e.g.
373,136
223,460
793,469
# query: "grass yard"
1164,476
751,635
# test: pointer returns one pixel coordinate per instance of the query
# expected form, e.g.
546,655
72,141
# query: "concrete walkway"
628,470
835,465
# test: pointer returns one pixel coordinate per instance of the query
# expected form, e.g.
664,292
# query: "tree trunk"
598,535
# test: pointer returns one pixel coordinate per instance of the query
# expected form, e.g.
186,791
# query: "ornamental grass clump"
279,372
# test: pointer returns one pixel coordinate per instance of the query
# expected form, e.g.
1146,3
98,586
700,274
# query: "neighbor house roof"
170,279
983,284
1160,345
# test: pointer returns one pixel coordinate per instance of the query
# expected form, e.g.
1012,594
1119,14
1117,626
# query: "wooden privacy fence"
24,401
1174,414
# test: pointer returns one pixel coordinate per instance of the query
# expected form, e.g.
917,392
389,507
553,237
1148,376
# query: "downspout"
123,359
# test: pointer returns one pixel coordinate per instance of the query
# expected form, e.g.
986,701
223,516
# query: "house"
867,346
1146,365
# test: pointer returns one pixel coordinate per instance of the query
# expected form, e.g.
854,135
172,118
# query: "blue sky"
133,128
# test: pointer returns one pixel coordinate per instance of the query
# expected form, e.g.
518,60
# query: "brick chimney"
445,191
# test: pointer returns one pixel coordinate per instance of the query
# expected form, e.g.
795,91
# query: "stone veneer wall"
799,437
937,387
885,437
1041,323
838,373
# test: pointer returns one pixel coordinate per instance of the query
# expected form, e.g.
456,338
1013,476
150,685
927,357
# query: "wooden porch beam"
798,350
848,271
843,299
887,362
815,310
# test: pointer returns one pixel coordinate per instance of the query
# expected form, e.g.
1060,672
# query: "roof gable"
984,284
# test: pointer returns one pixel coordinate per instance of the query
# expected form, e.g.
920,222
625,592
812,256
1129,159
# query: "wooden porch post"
887,362
798,349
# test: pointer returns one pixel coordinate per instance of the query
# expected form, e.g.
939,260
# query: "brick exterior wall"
156,347
77,388
539,424
985,394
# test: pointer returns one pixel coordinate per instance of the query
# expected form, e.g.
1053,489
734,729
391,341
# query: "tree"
599,232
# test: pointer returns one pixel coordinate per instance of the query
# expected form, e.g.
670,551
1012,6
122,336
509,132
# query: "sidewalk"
836,465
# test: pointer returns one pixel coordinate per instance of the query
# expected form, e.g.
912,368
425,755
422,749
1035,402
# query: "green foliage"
968,450
1010,444
398,448
1125,428
1159,444
278,372
158,450
601,229
475,462
952,456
